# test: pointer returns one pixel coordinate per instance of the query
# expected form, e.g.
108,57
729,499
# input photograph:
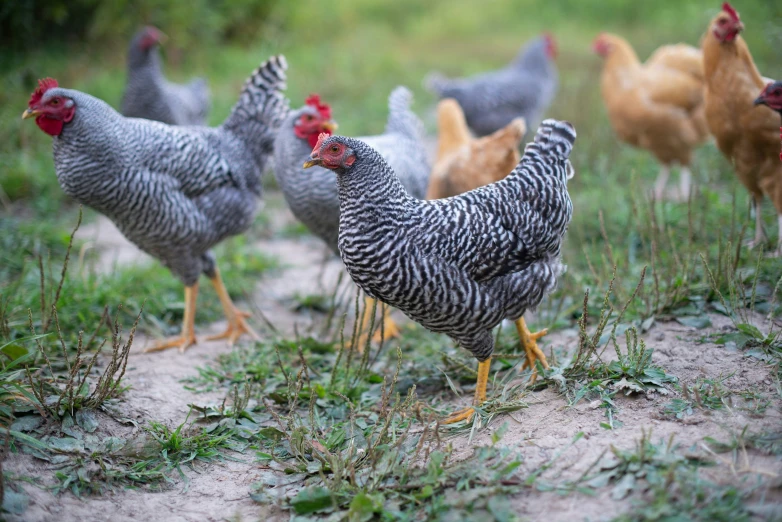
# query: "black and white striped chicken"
312,194
459,265
173,191
149,95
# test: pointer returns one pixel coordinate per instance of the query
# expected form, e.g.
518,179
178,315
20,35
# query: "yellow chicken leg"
389,331
480,394
530,345
236,323
187,338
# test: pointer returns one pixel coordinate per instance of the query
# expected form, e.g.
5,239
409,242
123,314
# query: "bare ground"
220,491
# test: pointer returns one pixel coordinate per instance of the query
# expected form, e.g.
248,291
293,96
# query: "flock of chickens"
458,246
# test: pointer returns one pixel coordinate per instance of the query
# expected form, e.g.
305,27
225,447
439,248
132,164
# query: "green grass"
671,485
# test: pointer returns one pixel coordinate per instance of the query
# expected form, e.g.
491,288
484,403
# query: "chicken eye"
722,22
55,101
308,117
334,148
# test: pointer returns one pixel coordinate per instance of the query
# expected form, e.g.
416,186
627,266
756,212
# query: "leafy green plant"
706,394
667,484
588,376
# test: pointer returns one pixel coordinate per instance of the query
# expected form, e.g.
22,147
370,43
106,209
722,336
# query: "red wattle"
50,126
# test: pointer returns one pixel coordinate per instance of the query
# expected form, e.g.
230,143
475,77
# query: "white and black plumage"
150,96
173,191
312,194
524,88
463,264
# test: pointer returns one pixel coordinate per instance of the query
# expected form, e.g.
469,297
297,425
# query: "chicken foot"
236,318
187,338
480,395
530,345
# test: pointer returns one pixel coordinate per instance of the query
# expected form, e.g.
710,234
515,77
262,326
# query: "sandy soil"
220,491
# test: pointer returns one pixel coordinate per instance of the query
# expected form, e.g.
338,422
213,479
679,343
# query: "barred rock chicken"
748,136
463,162
149,95
656,105
772,98
173,191
460,265
524,89
312,195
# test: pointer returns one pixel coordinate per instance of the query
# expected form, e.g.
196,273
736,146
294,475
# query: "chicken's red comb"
732,12
43,86
323,136
323,108
551,45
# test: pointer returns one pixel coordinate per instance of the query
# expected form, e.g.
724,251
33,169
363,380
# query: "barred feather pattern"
312,194
490,101
173,191
149,95
459,265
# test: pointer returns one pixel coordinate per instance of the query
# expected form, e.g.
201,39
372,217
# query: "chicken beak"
313,162
759,101
330,126
30,113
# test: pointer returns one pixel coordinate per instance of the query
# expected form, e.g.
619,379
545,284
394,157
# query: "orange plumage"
657,105
747,135
463,162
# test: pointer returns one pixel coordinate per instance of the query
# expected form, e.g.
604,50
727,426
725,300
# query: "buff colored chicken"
747,135
463,162
656,105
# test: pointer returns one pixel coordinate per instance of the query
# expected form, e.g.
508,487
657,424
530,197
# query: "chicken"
312,195
173,191
464,163
522,89
656,105
460,265
748,136
772,98
149,95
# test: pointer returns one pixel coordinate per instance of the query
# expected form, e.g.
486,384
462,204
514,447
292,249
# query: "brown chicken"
656,105
463,162
746,134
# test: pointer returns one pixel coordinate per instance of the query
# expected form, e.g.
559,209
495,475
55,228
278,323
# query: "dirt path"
220,491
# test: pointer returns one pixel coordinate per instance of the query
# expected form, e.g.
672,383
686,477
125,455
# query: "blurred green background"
353,53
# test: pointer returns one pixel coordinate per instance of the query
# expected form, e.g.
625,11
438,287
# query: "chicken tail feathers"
401,118
554,139
261,99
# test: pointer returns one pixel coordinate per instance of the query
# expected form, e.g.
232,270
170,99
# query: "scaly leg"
389,331
236,323
530,345
480,394
685,183
778,251
760,234
662,180
187,338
